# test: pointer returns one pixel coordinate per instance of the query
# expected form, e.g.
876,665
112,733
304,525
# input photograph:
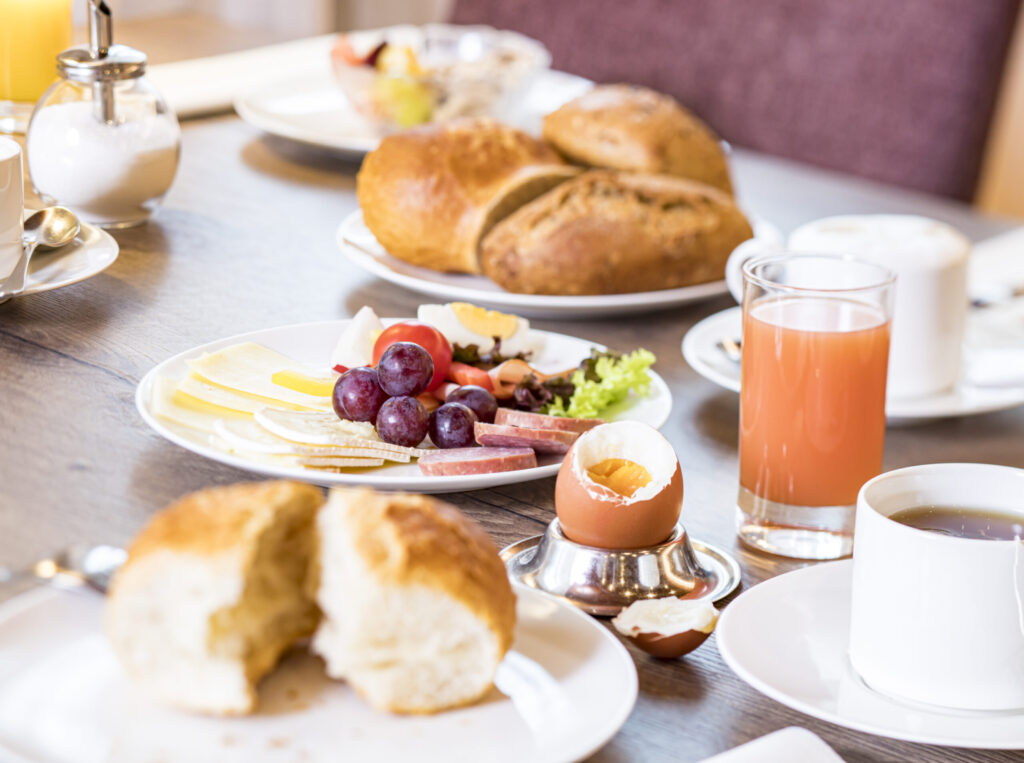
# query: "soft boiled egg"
355,345
465,324
669,627
620,486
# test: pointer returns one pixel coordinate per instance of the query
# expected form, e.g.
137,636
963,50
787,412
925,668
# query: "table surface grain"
245,241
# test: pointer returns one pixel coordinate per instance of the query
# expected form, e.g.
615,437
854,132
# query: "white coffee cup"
930,262
939,619
12,205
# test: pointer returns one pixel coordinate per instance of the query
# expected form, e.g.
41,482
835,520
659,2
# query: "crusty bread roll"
417,608
430,194
214,590
607,233
627,127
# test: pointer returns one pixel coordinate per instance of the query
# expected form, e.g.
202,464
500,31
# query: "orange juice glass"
812,399
32,33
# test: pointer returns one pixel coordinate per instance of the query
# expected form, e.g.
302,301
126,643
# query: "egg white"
443,318
632,440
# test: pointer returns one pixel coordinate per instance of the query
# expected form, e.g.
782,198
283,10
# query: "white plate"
311,108
363,249
92,251
64,699
311,344
788,638
701,350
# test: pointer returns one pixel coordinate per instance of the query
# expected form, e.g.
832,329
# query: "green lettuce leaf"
607,380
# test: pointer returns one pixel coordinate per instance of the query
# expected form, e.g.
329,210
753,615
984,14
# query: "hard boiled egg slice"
667,627
620,486
355,345
465,324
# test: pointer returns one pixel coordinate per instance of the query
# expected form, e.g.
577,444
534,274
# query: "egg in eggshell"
667,628
620,486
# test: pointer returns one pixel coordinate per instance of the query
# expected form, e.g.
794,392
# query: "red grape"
451,426
480,400
402,421
405,369
357,395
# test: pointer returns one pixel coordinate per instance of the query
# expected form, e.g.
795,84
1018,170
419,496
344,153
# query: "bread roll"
608,233
430,194
626,127
214,590
417,608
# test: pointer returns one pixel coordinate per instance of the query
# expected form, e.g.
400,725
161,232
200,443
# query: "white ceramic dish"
311,344
310,108
92,252
788,638
362,248
701,350
570,686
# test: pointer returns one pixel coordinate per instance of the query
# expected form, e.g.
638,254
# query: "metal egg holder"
604,581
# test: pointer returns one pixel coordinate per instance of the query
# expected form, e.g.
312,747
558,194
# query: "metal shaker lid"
120,63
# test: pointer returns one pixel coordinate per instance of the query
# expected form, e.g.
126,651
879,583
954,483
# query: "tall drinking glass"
812,399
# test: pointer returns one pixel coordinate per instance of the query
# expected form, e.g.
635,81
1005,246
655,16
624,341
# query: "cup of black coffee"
937,613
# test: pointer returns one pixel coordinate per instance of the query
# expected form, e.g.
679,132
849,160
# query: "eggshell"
594,515
669,647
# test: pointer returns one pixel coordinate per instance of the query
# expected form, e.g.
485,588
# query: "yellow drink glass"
32,33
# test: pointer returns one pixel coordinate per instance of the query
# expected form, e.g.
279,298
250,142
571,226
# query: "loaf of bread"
417,608
606,233
430,194
626,127
214,590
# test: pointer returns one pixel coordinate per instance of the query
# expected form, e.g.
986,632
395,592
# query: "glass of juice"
32,33
812,399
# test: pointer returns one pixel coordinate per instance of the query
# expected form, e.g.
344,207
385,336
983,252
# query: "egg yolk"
489,323
623,476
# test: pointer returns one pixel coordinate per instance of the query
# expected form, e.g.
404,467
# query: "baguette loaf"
429,194
607,233
627,127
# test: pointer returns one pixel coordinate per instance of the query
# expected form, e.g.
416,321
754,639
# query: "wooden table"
246,241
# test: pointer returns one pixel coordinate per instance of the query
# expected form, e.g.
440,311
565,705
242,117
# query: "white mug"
12,205
930,262
939,619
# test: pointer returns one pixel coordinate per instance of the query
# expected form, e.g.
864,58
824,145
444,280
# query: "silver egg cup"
604,581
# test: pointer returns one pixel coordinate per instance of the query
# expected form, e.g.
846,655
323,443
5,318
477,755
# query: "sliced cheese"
331,463
170,404
250,437
251,368
195,386
316,428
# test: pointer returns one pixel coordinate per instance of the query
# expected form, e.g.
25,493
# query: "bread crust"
610,233
409,539
429,194
627,127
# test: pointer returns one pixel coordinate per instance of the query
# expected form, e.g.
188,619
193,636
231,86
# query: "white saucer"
92,251
788,638
706,357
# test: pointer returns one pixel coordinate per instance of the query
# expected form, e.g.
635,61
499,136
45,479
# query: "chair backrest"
898,90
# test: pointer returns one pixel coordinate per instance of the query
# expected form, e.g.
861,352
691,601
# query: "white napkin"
208,85
783,746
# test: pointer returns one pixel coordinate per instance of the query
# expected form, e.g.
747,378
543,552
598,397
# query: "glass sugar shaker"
102,140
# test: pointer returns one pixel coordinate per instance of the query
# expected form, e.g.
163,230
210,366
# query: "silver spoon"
52,227
92,566
731,348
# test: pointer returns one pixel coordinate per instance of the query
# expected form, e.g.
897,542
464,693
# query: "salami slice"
541,440
514,418
456,461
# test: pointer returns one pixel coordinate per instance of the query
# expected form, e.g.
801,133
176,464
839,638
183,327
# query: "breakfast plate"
788,638
703,351
311,108
92,251
311,344
358,244
563,691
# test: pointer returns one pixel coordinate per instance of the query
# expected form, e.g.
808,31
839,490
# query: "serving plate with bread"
625,204
259,622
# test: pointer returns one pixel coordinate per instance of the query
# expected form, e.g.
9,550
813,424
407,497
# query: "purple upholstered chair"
897,90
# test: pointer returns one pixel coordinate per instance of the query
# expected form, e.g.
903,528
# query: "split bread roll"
627,127
430,194
607,232
417,608
214,590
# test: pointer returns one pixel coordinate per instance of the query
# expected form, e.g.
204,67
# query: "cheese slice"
317,428
252,369
250,437
196,387
330,463
170,404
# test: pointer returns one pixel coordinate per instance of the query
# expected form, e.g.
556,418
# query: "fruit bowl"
403,76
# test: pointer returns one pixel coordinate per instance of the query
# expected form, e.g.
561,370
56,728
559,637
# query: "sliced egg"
355,345
620,486
465,324
667,627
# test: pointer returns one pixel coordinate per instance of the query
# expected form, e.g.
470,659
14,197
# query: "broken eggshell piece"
668,627
620,487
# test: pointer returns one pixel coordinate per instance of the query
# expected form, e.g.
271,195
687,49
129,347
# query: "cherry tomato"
427,337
